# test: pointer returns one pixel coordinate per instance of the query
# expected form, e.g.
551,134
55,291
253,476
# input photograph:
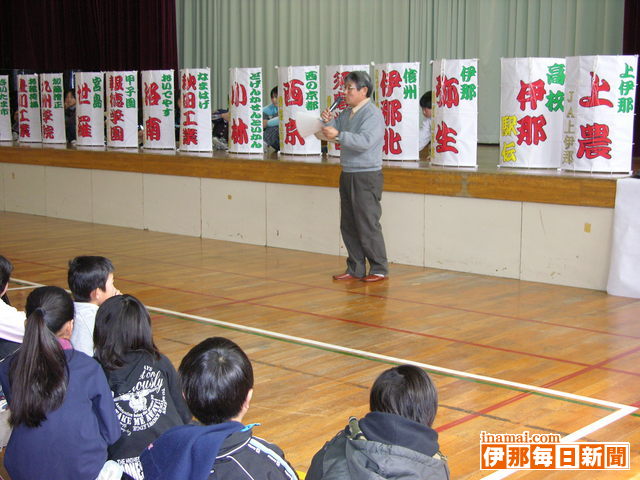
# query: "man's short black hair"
274,92
360,79
216,376
406,391
425,100
86,273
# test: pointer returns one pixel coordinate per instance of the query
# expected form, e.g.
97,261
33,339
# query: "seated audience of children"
70,411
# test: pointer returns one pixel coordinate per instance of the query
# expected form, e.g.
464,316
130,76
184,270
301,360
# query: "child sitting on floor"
144,383
62,411
91,283
394,440
217,383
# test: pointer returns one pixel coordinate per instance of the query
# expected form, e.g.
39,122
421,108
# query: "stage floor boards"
317,345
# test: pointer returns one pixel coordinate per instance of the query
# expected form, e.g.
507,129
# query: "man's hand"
330,133
326,115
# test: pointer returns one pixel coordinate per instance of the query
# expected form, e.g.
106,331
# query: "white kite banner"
89,108
334,87
397,96
158,109
598,118
454,124
52,108
5,110
29,109
122,109
195,112
245,108
298,92
531,112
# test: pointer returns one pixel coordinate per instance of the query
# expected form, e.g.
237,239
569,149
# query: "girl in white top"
11,319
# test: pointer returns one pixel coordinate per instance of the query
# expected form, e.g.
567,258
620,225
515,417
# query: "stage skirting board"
532,225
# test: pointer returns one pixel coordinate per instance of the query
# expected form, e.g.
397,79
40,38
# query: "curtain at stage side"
266,33
57,35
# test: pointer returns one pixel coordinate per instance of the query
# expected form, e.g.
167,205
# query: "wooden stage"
487,181
507,356
535,225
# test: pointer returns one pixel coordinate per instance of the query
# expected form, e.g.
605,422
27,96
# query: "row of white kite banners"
574,113
41,108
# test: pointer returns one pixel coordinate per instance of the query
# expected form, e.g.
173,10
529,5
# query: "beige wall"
558,244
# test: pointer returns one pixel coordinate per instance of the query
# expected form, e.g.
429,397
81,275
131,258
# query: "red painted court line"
401,300
416,302
520,396
481,412
438,337
427,335
230,301
262,297
358,322
465,419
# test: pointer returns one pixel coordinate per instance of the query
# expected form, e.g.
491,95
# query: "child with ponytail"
62,411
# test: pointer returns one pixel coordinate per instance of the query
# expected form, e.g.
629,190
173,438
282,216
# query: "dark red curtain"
89,35
631,46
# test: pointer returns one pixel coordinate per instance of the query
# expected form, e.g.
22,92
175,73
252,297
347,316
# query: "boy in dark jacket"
217,383
393,441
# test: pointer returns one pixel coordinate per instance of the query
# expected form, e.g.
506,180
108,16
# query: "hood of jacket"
395,448
396,430
122,379
187,451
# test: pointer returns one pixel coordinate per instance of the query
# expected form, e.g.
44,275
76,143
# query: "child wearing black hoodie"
144,383
217,383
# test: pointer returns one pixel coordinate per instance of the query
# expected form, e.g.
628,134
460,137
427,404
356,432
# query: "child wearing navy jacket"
62,411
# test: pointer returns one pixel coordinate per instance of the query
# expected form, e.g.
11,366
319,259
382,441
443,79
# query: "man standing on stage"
360,131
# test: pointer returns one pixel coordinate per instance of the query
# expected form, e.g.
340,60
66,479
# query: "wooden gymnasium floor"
317,345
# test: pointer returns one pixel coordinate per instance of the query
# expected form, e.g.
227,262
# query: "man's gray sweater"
361,138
